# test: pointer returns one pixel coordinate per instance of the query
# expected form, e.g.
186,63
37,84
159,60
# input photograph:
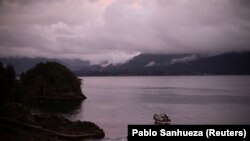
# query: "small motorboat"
161,119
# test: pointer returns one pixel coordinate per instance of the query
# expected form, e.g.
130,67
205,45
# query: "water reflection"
57,107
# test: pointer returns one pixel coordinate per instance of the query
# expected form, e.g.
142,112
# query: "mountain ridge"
234,63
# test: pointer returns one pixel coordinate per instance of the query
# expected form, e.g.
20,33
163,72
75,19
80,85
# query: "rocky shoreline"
47,128
65,126
19,121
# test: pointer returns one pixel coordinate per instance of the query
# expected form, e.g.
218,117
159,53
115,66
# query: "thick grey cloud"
116,30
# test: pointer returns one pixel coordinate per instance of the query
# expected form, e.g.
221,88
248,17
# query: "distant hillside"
152,64
179,64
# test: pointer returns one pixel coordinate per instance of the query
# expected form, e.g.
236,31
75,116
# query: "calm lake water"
115,102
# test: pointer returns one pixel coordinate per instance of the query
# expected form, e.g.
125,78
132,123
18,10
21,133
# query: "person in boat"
161,118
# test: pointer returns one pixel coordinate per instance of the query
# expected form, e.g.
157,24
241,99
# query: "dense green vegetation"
7,77
11,101
51,80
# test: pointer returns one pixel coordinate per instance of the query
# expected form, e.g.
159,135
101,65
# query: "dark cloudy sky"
116,30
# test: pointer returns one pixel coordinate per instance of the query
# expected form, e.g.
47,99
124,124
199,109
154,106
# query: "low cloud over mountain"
117,30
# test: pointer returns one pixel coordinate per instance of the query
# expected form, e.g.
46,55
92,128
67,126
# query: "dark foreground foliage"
47,81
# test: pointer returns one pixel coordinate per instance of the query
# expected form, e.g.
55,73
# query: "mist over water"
115,102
